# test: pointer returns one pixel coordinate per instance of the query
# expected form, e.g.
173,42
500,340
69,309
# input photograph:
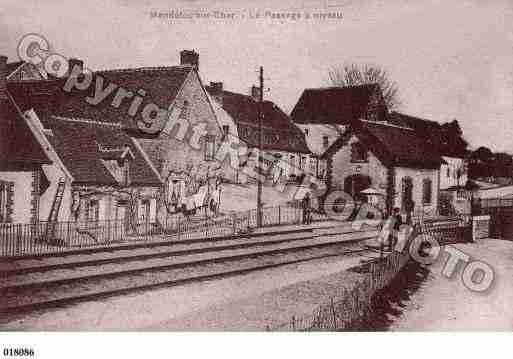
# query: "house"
164,110
21,161
104,172
455,188
287,154
99,168
393,162
323,114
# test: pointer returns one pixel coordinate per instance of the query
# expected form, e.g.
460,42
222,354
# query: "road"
442,304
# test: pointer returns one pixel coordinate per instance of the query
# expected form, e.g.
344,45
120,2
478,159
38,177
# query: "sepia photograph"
259,167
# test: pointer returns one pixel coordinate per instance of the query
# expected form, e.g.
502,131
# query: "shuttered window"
6,194
427,191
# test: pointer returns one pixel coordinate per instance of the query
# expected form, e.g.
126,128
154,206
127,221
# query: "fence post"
234,218
334,314
279,215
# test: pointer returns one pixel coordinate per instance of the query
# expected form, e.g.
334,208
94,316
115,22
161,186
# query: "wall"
417,176
314,139
341,167
22,200
54,173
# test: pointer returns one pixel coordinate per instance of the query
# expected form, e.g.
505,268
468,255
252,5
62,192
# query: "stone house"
455,188
21,161
324,113
390,161
287,154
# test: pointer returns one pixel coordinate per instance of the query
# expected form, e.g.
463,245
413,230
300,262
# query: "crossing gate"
500,211
448,230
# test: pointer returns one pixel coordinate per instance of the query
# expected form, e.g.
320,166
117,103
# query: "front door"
407,195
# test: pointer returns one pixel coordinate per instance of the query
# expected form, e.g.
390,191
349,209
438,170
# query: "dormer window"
358,153
117,161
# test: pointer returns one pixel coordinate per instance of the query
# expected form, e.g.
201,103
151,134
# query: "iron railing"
35,239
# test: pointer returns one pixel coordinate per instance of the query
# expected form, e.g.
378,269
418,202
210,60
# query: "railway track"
32,284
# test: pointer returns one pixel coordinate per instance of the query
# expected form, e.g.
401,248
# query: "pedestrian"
306,208
397,223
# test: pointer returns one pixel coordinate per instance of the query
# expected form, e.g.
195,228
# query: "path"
443,304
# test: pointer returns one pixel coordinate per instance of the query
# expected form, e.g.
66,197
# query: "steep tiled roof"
17,143
333,105
432,132
160,86
393,145
279,132
81,147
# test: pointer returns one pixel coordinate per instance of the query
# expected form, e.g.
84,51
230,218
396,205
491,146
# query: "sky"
450,59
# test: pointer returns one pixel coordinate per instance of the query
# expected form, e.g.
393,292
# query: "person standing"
306,208
397,223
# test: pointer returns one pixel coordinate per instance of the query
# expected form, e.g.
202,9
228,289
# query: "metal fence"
43,237
355,305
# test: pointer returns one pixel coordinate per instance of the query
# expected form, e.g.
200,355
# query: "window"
321,169
306,131
226,130
358,152
448,172
4,202
325,141
313,165
210,148
426,191
144,210
93,211
301,162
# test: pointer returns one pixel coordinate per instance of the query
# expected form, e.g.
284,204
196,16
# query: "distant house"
392,162
455,188
323,115
21,161
283,142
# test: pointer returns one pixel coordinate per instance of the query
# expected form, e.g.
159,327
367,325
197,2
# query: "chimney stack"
3,77
75,62
189,58
255,93
217,91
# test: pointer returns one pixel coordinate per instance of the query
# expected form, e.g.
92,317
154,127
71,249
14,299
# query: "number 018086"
18,352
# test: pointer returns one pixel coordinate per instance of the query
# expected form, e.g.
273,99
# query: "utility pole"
260,114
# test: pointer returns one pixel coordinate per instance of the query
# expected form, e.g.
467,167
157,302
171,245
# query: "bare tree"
353,74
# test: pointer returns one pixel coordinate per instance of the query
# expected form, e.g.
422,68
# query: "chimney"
255,93
75,62
3,77
217,91
189,58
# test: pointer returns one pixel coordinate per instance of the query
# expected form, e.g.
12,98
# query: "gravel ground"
446,304
248,301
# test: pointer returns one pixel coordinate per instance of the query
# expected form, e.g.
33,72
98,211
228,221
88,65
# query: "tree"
453,141
353,74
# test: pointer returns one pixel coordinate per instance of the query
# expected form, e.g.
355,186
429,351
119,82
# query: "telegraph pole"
260,114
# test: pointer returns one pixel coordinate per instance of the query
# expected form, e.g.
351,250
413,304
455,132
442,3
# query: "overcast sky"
451,59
